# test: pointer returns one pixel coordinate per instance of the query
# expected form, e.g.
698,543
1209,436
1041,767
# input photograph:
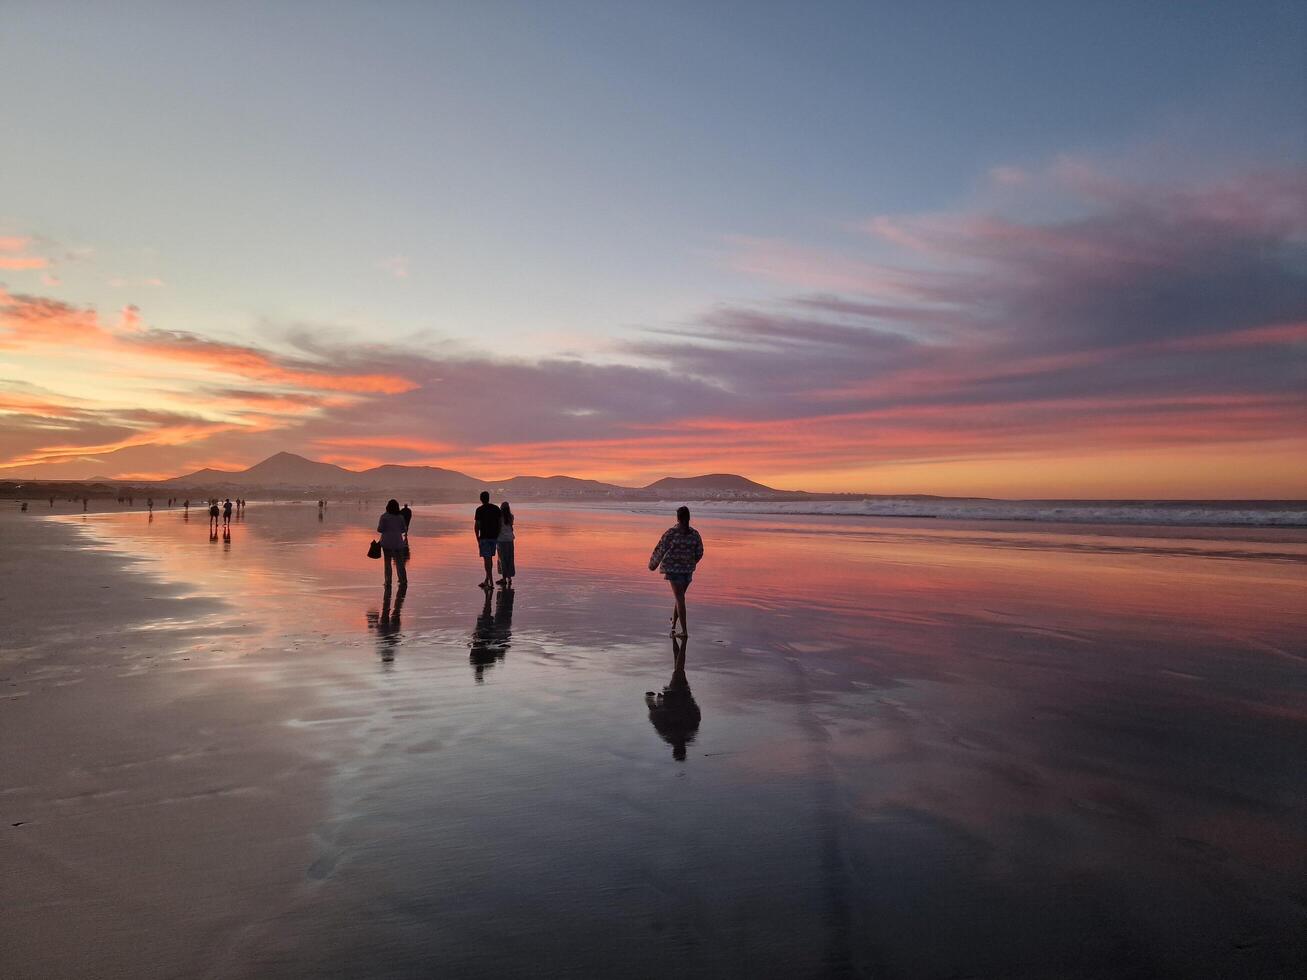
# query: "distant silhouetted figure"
394,542
186,505
679,552
674,713
507,564
226,512
149,504
52,501
213,517
85,501
406,512
486,525
23,506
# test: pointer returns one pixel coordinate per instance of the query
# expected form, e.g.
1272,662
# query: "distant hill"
206,476
565,484
416,477
287,471
290,470
281,470
715,482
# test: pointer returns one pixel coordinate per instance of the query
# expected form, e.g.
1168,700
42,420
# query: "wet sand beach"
899,749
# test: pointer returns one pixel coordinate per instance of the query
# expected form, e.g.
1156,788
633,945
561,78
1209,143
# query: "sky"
1034,249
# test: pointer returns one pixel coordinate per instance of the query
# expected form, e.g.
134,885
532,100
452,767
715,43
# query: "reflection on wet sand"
933,750
386,624
674,712
490,636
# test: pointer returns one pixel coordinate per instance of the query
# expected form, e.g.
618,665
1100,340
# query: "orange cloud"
32,320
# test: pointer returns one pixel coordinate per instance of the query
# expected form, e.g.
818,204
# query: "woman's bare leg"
679,591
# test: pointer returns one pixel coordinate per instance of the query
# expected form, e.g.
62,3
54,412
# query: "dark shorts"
679,578
487,547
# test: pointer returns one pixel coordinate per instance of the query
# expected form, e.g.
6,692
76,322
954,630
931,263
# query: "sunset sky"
1010,249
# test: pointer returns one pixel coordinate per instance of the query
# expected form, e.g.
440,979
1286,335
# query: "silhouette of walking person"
213,517
678,553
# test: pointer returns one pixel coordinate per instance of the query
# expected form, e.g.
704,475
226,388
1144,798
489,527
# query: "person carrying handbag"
394,543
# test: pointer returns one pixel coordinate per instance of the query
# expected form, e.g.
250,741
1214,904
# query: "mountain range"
289,471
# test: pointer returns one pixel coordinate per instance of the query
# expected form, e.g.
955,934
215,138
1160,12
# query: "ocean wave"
1167,513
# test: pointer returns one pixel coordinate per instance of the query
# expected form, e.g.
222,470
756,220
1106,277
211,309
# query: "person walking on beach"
226,512
394,543
507,565
486,525
678,552
406,512
213,516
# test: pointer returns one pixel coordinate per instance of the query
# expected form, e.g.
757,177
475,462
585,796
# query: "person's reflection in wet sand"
491,635
226,537
674,713
387,625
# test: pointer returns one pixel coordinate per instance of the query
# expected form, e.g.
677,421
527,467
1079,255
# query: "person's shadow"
492,633
387,625
674,713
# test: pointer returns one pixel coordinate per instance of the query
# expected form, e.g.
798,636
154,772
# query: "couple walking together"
393,528
493,527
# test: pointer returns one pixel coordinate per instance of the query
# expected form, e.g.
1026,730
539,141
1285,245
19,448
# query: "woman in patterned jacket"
679,550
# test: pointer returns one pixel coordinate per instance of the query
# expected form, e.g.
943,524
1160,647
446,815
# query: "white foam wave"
1252,514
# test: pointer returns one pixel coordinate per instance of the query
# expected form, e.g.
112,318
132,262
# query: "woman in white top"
507,567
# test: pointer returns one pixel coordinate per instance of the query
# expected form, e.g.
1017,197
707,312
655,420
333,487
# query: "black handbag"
374,549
